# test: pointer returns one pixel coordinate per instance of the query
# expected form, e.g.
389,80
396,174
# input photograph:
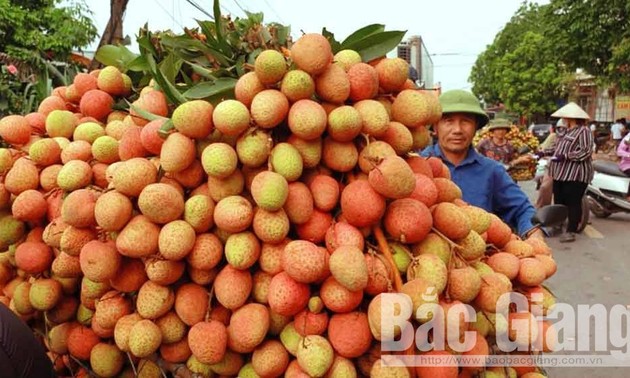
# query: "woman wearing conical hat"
571,165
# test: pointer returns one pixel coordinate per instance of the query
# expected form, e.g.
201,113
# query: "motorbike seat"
608,167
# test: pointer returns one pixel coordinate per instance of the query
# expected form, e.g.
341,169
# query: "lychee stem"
133,367
451,243
81,364
384,248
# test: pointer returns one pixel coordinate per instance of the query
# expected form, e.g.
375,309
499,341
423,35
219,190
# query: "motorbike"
550,217
608,191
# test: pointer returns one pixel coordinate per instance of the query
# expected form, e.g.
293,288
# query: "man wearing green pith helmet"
484,182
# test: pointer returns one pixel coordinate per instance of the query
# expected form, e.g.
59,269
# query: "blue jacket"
486,184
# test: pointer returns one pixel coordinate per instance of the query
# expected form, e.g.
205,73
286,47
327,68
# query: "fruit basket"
523,172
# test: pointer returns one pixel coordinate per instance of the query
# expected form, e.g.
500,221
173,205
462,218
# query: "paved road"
594,269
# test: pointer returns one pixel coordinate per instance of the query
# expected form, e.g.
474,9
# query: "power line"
199,8
239,5
169,13
274,12
226,9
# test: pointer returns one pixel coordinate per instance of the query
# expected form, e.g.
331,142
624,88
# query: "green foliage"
16,96
44,26
529,85
371,41
521,68
587,33
33,34
618,68
205,62
593,35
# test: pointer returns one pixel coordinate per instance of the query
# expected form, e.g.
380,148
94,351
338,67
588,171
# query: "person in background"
623,151
617,130
484,182
497,147
571,165
544,183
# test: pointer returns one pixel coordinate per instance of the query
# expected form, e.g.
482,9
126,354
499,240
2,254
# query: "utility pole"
113,33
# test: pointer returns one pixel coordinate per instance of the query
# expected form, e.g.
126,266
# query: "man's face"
455,132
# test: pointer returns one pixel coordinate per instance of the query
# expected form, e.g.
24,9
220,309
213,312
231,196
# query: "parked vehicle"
541,131
608,192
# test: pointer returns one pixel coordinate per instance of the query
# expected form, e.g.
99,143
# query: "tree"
113,33
593,35
520,68
530,82
41,26
33,34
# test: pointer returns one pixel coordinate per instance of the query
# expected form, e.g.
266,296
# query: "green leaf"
255,18
282,33
334,44
144,114
118,56
376,45
173,95
362,33
166,128
201,71
170,67
218,20
251,59
138,65
223,46
207,28
188,48
221,87
144,42
240,66
266,36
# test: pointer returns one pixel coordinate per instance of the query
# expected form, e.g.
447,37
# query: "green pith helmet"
499,123
460,101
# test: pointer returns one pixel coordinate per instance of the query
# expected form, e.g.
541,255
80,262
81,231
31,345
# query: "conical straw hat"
571,110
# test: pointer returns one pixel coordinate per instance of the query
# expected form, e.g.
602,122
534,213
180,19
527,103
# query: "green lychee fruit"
44,152
88,131
106,360
347,58
144,338
401,255
287,161
315,355
270,66
219,160
60,123
45,293
253,148
231,117
105,149
297,85
270,190
431,269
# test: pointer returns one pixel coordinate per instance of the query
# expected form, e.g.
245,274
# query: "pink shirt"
623,151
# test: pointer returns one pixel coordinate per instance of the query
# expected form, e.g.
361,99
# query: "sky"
454,31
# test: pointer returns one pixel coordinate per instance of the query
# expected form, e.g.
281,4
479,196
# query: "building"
594,99
414,51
